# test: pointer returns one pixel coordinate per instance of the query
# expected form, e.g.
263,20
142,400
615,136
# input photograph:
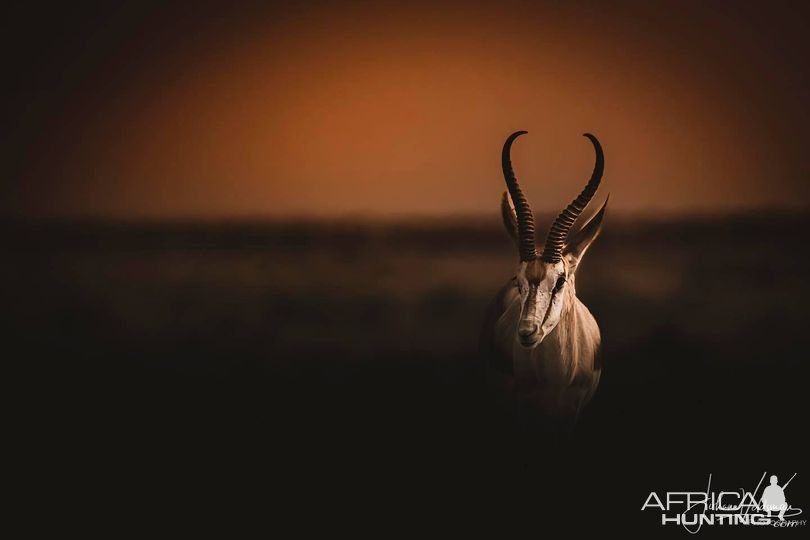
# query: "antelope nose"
527,331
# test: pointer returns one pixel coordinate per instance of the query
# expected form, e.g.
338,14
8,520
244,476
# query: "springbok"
540,343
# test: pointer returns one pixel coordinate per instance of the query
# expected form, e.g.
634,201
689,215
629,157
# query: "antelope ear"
576,246
509,218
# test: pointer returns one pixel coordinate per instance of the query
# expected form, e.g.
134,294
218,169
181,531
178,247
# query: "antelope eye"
560,283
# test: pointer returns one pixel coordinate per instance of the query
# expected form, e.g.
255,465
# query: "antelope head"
546,281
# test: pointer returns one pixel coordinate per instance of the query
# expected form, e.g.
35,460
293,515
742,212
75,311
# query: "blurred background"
262,237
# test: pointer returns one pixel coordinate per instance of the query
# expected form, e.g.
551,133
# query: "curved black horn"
555,241
525,218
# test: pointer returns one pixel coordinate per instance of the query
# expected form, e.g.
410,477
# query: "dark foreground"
327,373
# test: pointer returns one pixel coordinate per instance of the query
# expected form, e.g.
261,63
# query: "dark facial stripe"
548,309
530,305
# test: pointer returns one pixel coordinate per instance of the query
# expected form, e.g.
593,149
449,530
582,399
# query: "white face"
541,288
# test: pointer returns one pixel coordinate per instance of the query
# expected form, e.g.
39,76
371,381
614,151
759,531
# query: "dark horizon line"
398,218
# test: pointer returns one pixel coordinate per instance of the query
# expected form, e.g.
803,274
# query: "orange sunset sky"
370,109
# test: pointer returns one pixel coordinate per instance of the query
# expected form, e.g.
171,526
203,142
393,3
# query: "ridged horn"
555,241
525,218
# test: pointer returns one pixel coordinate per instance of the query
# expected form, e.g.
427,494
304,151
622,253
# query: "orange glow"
349,112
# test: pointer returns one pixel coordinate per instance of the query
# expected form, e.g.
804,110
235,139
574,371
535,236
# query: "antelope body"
539,342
